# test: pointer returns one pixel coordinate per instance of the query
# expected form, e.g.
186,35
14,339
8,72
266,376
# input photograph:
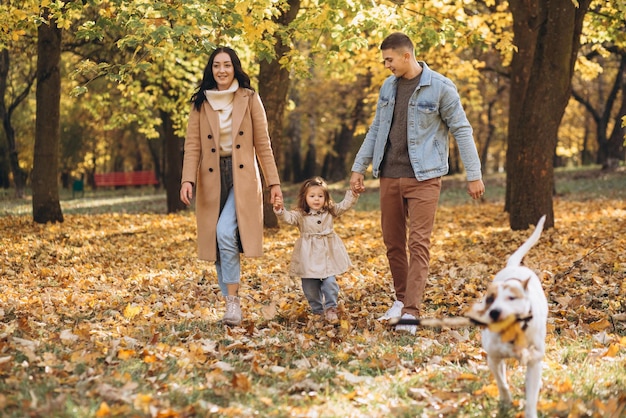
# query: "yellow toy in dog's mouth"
510,331
502,325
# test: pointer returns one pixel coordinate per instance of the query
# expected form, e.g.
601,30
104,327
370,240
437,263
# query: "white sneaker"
233,311
407,328
394,312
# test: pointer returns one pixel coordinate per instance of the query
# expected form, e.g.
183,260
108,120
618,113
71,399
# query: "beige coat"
319,252
201,165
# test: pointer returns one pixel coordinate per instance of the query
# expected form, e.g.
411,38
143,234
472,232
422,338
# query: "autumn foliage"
112,315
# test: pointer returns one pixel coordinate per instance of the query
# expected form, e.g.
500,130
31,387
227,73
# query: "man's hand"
356,183
476,189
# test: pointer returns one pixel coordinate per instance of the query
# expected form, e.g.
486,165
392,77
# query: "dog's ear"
525,283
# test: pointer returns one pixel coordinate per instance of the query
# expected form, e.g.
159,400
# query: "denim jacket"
434,111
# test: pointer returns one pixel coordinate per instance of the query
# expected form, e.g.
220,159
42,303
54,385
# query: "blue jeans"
321,293
228,264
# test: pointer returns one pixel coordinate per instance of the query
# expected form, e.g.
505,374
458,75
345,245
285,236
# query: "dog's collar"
525,320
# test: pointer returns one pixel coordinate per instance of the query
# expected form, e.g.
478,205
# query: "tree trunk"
615,146
547,37
173,165
156,148
292,169
6,111
310,159
608,153
273,89
46,206
4,167
491,127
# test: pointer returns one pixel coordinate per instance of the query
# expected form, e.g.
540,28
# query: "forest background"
104,85
104,309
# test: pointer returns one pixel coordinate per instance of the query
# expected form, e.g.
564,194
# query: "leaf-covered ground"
112,315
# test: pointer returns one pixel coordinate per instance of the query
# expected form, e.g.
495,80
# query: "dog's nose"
494,314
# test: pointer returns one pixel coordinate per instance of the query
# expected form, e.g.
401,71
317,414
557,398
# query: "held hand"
356,183
476,189
186,193
276,196
278,204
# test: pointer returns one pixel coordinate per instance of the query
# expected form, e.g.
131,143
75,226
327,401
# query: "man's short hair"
397,40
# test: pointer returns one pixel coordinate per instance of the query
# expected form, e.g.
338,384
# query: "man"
408,146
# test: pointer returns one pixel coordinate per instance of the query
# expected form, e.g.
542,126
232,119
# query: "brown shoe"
331,315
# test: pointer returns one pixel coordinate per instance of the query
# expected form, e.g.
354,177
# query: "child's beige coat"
319,252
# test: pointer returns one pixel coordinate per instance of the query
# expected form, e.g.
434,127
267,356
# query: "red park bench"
129,178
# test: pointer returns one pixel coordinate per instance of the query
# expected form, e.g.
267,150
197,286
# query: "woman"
226,135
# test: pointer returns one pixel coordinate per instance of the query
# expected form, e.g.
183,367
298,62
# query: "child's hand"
278,204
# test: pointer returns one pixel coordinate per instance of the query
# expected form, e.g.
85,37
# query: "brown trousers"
407,202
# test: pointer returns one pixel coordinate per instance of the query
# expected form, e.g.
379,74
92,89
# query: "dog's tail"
516,258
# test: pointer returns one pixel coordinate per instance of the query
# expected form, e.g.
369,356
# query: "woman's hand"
276,197
186,192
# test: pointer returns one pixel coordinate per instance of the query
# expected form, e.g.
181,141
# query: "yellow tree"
47,18
17,76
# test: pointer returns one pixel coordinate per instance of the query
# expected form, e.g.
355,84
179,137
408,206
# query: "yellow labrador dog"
515,312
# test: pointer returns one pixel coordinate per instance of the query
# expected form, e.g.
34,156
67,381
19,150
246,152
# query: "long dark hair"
301,204
208,81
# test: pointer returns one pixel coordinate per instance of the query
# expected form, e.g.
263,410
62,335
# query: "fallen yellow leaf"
490,390
612,351
131,311
142,402
564,386
125,354
600,325
467,376
103,410
241,382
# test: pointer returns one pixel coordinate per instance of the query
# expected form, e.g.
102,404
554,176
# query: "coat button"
238,146
210,170
240,165
213,150
240,133
319,222
209,136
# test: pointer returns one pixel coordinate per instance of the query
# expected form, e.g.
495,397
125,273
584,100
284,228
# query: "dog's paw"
501,326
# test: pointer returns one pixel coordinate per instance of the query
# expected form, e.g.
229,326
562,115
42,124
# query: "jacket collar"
426,77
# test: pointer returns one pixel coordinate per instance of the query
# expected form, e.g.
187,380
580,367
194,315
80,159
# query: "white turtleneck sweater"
222,102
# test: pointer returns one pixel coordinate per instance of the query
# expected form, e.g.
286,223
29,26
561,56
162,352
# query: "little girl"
319,253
